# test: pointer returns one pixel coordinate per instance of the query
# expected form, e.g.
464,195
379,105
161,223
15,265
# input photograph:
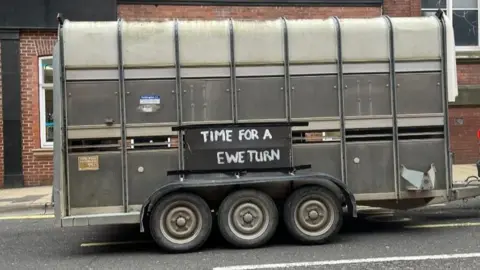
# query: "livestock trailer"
176,124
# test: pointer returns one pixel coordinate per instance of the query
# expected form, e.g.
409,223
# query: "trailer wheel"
181,222
247,218
313,215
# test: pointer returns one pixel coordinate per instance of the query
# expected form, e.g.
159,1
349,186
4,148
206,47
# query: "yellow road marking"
437,205
376,212
445,225
27,217
103,244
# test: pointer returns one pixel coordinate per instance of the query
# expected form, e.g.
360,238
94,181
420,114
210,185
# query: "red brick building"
26,43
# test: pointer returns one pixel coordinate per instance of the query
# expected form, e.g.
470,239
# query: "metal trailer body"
133,98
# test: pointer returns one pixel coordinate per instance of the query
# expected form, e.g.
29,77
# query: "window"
464,15
46,101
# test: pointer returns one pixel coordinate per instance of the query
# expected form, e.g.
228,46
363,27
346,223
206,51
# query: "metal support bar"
178,88
121,98
288,88
444,88
341,102
464,192
287,83
393,106
64,105
233,73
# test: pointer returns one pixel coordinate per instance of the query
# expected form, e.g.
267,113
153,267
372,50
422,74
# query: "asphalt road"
451,234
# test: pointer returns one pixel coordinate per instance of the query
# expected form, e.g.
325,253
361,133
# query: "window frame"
449,9
42,88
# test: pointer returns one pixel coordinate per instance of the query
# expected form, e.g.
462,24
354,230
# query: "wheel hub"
248,219
180,223
313,214
312,217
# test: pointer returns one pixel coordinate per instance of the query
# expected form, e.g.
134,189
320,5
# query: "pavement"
462,171
28,198
442,237
39,198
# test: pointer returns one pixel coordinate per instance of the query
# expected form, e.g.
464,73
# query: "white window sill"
468,49
468,55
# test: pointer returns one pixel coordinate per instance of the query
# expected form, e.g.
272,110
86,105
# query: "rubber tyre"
225,223
334,213
202,215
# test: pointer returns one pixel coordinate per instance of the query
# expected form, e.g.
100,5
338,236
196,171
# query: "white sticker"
148,108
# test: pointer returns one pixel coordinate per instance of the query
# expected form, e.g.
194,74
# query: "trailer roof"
259,42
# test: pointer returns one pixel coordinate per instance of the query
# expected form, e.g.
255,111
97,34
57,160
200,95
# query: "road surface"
438,237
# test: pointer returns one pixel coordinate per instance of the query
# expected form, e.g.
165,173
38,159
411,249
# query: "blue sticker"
150,100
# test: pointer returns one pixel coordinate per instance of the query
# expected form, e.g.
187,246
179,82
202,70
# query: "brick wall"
151,12
38,168
468,74
463,134
402,8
